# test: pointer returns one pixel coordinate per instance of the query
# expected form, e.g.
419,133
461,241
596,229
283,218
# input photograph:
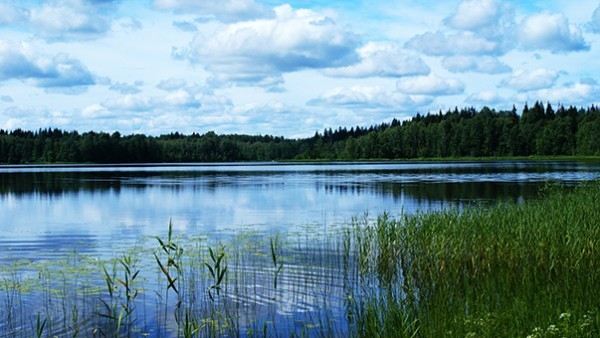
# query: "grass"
507,271
511,270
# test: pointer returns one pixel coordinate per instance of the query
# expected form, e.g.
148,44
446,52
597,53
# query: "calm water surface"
51,212
47,211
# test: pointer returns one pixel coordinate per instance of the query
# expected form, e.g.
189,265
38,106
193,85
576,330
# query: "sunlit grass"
497,272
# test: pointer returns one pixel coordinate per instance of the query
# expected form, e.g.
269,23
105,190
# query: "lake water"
47,211
51,212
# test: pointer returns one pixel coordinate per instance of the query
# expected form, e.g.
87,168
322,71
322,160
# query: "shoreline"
586,159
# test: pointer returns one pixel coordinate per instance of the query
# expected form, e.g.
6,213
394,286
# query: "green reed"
486,272
276,259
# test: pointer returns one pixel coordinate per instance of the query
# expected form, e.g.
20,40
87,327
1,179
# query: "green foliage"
276,259
40,326
466,133
506,271
119,311
217,268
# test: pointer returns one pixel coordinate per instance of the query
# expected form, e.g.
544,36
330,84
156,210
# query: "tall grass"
505,271
511,270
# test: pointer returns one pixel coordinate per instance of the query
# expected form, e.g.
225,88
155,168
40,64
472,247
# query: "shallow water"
51,212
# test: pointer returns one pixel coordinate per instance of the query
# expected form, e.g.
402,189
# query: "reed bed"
510,270
513,270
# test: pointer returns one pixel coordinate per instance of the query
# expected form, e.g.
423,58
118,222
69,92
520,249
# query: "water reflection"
49,210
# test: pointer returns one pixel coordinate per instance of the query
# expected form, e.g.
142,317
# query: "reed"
488,272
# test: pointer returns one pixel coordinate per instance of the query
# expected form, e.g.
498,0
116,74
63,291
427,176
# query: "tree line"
537,130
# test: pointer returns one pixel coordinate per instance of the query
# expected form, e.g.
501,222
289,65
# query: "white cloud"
130,103
461,43
97,111
171,84
475,14
6,99
552,32
430,85
72,19
594,24
20,62
478,64
490,27
184,99
370,98
525,80
226,10
126,88
581,92
487,97
10,14
185,26
383,60
259,51
15,117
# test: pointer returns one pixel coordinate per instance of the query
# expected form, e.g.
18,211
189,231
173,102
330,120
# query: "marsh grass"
487,272
511,270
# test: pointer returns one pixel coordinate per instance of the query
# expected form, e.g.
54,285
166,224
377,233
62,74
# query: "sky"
286,68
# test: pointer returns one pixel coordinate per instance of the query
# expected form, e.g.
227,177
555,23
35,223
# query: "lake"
50,213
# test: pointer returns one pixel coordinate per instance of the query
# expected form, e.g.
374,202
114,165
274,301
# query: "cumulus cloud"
490,27
227,10
525,80
185,109
487,97
126,88
15,117
383,60
481,64
6,99
9,13
551,32
185,26
477,14
259,51
581,92
65,19
370,98
97,111
181,99
461,43
130,103
171,84
477,27
59,71
594,24
430,85
72,19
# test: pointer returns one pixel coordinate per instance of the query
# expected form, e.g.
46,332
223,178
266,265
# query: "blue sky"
285,68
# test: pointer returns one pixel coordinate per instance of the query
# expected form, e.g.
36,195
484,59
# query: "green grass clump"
505,271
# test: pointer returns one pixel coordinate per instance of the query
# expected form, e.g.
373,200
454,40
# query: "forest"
537,130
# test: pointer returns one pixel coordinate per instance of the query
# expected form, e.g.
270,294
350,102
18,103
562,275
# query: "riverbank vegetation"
512,270
540,130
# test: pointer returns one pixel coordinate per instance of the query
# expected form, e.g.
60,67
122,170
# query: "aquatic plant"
275,257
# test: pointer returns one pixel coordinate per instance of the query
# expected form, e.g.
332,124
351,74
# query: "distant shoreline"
592,159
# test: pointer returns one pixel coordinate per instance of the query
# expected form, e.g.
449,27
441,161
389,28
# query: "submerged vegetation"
537,131
511,270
